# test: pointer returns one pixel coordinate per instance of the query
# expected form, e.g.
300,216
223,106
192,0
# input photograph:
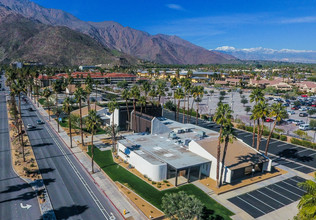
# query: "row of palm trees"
260,111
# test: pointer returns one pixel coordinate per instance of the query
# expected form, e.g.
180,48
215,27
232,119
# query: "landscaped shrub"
283,138
303,143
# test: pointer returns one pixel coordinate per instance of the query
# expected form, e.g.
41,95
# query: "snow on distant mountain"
260,53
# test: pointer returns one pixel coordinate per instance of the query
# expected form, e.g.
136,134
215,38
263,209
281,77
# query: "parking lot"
270,198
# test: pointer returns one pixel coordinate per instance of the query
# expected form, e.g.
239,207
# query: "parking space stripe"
280,145
294,186
260,201
270,197
251,205
280,194
276,184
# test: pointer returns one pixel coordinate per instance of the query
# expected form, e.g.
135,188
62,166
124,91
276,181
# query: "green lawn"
104,158
42,101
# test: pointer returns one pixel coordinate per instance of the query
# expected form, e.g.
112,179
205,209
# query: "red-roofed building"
103,78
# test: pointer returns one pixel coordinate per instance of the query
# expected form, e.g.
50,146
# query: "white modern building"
185,152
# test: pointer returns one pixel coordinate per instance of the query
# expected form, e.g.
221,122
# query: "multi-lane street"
295,157
72,191
17,198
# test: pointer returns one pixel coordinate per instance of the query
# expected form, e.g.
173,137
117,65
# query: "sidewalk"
100,178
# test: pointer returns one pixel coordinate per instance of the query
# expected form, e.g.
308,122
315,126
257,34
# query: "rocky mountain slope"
25,39
158,48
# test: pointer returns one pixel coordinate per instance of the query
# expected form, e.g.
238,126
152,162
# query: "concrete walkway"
100,178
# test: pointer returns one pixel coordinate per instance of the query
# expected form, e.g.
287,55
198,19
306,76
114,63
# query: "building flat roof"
159,149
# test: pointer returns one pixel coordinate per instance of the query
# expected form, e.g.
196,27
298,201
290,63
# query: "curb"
84,168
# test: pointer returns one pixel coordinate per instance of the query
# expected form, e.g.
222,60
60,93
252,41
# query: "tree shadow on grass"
208,214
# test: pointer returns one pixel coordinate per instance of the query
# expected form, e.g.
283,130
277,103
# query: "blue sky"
276,24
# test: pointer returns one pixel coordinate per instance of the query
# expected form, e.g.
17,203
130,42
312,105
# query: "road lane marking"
82,180
250,205
280,145
270,197
260,201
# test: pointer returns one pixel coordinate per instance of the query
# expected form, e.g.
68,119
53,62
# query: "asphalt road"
293,156
72,192
13,190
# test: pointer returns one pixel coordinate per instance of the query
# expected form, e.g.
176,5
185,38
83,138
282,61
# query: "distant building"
83,68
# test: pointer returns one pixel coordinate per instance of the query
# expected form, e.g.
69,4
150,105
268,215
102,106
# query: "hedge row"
303,143
265,132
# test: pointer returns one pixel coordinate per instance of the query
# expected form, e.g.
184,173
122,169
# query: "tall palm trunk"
253,133
188,109
57,112
258,135
81,131
268,141
223,159
174,102
183,114
128,116
197,113
88,99
191,111
69,125
21,128
178,110
48,109
113,132
96,100
92,152
134,107
218,156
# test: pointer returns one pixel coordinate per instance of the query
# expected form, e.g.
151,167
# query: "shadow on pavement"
292,153
64,213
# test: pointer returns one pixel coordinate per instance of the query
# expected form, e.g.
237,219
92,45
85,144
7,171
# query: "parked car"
291,112
290,120
294,108
303,114
29,126
304,127
268,120
40,122
286,104
30,109
303,109
298,122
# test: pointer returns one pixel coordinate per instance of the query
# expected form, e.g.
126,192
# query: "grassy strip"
104,159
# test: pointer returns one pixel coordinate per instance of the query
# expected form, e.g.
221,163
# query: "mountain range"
54,36
260,53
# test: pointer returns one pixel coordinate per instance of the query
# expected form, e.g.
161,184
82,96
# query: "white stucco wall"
156,172
211,171
116,117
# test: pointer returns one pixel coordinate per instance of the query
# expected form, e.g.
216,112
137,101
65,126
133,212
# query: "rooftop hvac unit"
186,142
172,135
178,130
201,133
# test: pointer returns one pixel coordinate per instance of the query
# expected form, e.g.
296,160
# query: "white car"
291,112
302,109
29,126
304,127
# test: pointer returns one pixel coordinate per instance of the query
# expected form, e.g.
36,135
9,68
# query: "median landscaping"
104,159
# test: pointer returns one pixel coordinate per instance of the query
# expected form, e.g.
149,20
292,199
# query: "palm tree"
179,95
161,87
223,116
279,112
142,102
112,105
307,204
254,117
67,108
197,95
57,89
228,137
135,93
80,96
93,123
187,86
146,88
262,112
88,91
47,93
126,95
96,83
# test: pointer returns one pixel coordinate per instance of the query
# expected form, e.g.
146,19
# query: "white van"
304,127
